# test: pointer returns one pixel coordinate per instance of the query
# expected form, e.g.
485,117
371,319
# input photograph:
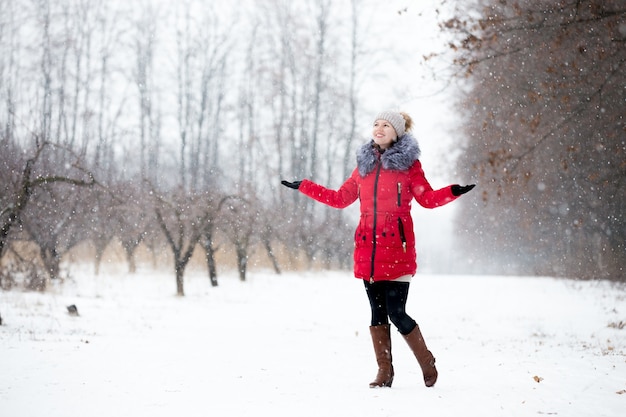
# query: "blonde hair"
408,122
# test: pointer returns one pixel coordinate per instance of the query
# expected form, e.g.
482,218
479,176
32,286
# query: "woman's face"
383,133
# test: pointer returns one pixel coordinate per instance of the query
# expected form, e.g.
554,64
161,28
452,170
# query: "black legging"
388,301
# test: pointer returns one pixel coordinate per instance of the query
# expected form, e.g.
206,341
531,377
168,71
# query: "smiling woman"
389,126
387,178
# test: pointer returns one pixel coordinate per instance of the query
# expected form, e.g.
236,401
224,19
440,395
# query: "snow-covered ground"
297,344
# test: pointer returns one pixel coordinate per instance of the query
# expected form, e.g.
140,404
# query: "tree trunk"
180,271
209,253
51,261
100,246
270,253
129,249
242,261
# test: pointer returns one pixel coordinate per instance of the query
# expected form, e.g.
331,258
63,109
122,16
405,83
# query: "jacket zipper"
375,219
399,194
402,236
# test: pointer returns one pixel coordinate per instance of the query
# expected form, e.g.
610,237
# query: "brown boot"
381,339
423,356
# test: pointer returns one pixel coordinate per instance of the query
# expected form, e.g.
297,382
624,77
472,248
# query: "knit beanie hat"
396,120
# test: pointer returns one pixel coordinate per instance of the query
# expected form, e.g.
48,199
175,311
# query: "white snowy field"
297,344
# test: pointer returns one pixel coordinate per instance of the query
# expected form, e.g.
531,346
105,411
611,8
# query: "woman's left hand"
457,190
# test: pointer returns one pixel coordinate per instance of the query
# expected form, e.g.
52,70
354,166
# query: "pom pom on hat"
396,120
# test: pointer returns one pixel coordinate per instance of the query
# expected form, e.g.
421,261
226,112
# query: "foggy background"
161,130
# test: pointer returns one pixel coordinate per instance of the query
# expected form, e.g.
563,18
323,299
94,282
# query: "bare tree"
109,104
241,214
322,22
15,204
182,224
130,219
203,45
146,26
52,224
208,243
96,222
10,45
266,231
348,156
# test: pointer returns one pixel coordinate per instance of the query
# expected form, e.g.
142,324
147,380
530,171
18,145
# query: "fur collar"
399,157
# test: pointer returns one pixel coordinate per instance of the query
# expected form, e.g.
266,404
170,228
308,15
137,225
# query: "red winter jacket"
385,183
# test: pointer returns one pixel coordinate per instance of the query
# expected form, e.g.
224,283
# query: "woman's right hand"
295,185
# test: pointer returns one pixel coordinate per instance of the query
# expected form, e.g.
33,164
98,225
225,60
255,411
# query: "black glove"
295,185
457,190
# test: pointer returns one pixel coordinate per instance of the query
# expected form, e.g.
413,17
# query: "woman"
387,178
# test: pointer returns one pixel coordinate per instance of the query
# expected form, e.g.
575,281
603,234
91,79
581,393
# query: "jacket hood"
399,157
